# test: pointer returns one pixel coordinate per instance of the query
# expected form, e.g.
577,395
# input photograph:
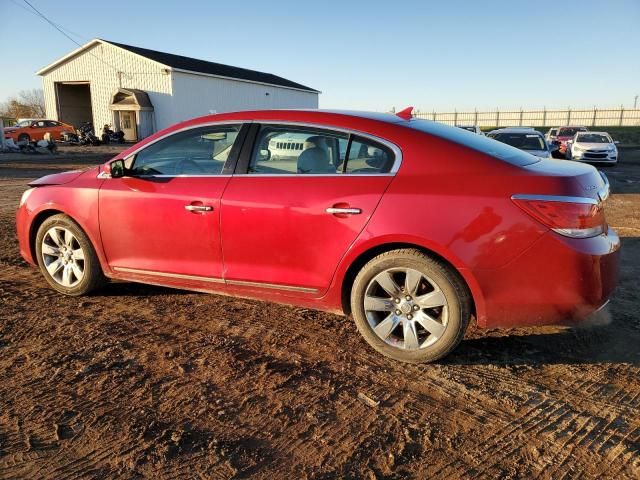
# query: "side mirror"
616,142
265,155
117,169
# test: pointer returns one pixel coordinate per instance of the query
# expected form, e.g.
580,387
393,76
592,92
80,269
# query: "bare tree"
27,104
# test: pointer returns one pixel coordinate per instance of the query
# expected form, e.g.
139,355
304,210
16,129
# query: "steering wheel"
189,164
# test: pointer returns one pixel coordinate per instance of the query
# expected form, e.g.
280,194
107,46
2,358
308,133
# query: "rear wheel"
409,306
66,257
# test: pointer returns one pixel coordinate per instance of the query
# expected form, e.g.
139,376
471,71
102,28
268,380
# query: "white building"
141,91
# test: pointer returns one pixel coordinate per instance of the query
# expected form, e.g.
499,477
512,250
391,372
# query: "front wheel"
66,257
409,306
24,137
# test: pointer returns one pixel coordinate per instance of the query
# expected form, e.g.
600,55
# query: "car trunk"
570,178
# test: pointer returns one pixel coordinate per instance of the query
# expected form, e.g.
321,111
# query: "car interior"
306,152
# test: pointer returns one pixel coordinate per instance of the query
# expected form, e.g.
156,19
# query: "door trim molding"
274,286
198,278
169,275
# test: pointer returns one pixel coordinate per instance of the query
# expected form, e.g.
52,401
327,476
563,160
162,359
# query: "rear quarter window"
480,143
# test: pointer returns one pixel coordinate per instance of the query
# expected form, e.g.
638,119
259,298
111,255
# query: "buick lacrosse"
410,227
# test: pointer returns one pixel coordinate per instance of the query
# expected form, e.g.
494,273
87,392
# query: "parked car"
593,147
471,128
565,134
551,135
410,226
529,140
36,130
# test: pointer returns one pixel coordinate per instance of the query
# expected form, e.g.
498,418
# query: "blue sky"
368,55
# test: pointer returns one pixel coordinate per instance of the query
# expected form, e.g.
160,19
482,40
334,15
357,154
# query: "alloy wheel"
406,308
63,256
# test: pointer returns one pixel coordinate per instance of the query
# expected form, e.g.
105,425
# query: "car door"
297,202
55,129
162,217
37,130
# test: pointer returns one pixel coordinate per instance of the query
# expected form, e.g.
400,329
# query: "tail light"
575,217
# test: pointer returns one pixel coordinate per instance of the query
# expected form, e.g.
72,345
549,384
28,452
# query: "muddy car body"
411,226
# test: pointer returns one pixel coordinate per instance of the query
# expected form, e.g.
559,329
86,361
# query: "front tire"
24,137
66,257
410,307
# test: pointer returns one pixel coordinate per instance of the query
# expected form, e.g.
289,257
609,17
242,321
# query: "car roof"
523,130
596,133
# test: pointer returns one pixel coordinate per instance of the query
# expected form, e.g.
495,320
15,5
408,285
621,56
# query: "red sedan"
409,226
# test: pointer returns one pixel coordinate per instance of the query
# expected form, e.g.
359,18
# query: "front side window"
200,151
301,150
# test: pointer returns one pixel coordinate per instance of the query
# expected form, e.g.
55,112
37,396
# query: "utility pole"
635,102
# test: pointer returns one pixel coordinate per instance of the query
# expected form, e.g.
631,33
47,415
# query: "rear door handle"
198,208
343,211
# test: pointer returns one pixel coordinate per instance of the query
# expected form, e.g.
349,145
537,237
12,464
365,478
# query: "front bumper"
558,280
582,157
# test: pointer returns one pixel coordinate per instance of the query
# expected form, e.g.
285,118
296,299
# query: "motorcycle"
86,135
109,136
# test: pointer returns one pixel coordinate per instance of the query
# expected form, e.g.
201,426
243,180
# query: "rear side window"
480,143
288,150
367,156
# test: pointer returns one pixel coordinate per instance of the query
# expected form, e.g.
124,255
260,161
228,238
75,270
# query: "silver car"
526,139
593,147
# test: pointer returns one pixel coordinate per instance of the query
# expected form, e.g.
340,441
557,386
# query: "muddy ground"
139,381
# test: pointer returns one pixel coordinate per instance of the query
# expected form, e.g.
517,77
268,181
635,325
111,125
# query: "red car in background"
564,135
410,226
35,130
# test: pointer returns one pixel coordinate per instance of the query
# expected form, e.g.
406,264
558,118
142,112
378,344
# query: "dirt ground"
139,381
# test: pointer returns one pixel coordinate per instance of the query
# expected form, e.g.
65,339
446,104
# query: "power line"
61,30
31,12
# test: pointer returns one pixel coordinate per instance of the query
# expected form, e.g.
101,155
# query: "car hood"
594,146
539,153
10,129
57,178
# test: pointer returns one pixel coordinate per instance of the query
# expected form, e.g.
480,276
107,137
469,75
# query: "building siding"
197,95
176,96
93,66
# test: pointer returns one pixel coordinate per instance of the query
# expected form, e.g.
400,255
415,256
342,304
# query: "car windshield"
593,138
24,123
553,131
523,141
479,143
570,131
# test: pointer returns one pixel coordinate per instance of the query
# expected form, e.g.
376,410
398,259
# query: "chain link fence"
595,117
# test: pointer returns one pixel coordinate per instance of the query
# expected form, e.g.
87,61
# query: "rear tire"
66,257
421,313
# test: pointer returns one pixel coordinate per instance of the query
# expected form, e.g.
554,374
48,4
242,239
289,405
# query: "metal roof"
191,65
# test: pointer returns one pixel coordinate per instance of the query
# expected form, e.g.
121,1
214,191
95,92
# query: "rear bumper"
558,280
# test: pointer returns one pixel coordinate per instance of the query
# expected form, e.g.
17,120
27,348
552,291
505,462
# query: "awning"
131,99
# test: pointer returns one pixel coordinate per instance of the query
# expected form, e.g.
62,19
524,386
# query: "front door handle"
343,211
198,208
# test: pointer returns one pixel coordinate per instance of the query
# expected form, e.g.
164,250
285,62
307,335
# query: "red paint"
269,237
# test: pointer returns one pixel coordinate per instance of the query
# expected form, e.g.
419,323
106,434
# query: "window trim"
242,167
227,168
